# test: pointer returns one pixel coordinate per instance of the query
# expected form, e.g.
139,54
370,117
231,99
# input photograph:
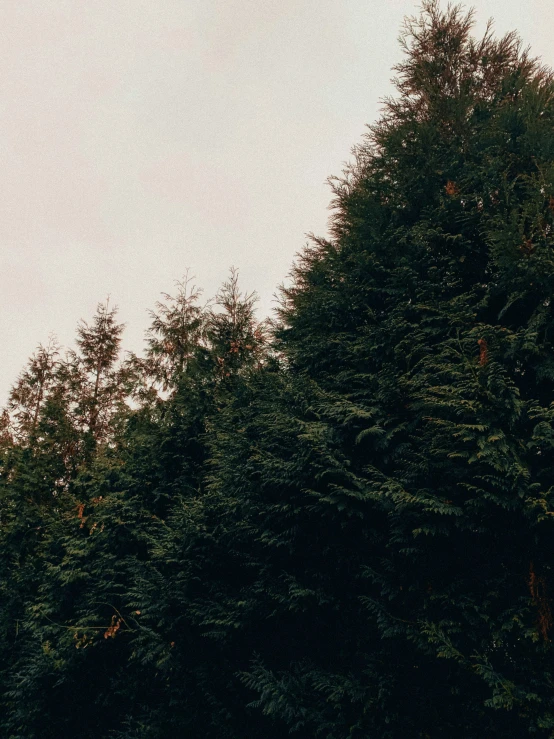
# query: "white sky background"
142,137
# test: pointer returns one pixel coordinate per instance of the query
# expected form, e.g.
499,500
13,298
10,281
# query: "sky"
142,138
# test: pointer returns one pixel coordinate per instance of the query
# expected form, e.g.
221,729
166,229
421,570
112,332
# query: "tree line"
334,524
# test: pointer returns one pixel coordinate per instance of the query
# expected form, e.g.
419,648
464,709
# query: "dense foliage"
337,525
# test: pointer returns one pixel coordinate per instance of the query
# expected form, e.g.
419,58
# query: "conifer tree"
97,384
174,340
425,326
6,432
237,340
39,436
30,391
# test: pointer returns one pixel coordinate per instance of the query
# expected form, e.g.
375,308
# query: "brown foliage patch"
451,189
483,352
113,628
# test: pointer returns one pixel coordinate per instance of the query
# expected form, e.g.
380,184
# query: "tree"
39,439
425,323
237,341
30,391
97,385
174,340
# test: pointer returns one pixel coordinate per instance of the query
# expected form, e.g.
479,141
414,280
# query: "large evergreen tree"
400,540
426,322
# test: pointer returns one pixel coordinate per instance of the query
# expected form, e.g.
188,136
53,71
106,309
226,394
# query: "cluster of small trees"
79,400
341,524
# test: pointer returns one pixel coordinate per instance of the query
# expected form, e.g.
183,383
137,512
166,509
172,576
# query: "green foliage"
341,530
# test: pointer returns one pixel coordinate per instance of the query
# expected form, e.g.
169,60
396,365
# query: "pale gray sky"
142,137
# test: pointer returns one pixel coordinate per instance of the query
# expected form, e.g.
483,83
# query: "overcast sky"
139,138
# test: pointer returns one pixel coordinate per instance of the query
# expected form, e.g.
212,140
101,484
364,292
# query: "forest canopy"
338,523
